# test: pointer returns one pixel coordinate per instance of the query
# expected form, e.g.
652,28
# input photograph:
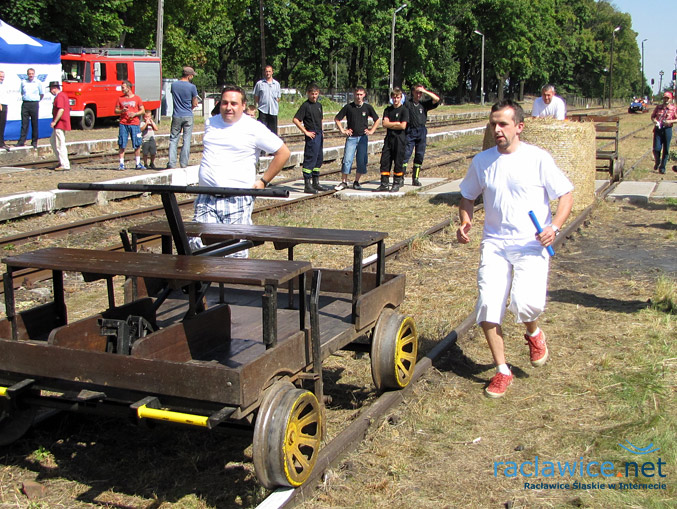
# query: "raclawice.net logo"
648,473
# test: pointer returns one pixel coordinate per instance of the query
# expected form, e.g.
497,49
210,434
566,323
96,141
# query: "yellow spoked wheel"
287,436
393,350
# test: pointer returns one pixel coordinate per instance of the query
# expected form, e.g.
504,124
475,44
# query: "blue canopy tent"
18,52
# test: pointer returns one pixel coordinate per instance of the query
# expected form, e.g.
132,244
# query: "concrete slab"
665,189
452,187
635,192
368,189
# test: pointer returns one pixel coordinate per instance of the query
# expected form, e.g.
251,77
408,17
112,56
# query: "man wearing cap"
61,114
664,116
185,101
31,95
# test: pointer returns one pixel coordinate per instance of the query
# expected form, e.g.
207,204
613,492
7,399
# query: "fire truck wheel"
88,119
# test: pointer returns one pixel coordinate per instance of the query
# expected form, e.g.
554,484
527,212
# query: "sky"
654,20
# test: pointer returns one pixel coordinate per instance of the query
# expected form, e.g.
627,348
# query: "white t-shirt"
230,151
556,109
512,185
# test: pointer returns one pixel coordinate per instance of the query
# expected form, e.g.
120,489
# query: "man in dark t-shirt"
416,130
357,114
309,119
395,120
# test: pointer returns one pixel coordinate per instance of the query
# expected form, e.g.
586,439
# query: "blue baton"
550,250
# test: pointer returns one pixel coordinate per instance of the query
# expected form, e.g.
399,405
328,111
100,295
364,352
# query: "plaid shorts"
217,210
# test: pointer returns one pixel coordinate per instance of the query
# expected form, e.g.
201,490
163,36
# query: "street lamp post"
482,69
643,78
392,46
611,65
660,82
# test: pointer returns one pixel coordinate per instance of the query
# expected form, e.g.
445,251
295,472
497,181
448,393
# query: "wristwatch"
265,182
555,229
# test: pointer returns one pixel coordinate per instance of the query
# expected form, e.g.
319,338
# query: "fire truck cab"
92,79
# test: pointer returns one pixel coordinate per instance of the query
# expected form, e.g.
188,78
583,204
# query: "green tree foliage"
527,42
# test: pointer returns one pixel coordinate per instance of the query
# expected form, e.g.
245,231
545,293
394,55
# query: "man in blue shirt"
185,100
31,95
267,97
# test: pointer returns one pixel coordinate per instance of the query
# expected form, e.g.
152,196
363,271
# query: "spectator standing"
184,95
357,114
130,108
61,122
395,120
232,141
3,111
267,98
31,94
664,116
148,145
417,132
549,105
308,118
513,179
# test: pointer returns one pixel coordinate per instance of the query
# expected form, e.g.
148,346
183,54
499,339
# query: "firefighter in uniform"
416,129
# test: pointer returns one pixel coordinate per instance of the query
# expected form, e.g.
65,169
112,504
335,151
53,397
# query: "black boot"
397,183
384,184
307,186
316,184
414,176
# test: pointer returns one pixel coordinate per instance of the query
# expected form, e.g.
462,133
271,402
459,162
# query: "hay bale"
572,146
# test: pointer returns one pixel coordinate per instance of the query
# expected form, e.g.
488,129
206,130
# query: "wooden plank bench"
282,237
268,274
607,129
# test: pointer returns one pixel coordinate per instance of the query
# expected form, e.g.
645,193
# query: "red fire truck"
92,78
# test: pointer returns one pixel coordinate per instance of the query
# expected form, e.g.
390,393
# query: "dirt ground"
611,378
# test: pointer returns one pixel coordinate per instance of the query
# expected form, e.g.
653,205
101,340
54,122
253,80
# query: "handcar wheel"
287,436
15,423
393,350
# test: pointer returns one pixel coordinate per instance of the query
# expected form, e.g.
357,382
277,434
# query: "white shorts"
518,268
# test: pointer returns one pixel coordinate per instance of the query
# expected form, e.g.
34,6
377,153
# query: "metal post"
611,65
482,72
392,46
660,82
643,78
159,37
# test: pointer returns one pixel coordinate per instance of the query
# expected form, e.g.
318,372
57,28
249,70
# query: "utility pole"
482,79
611,65
159,29
263,38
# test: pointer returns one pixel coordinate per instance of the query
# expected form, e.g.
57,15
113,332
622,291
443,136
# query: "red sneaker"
498,385
538,350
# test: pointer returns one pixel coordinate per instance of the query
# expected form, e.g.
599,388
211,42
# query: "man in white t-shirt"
231,144
549,105
513,178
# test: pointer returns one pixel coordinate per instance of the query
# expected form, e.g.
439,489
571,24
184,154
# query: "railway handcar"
206,341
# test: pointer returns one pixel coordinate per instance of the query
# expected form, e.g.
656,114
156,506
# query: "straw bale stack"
572,146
